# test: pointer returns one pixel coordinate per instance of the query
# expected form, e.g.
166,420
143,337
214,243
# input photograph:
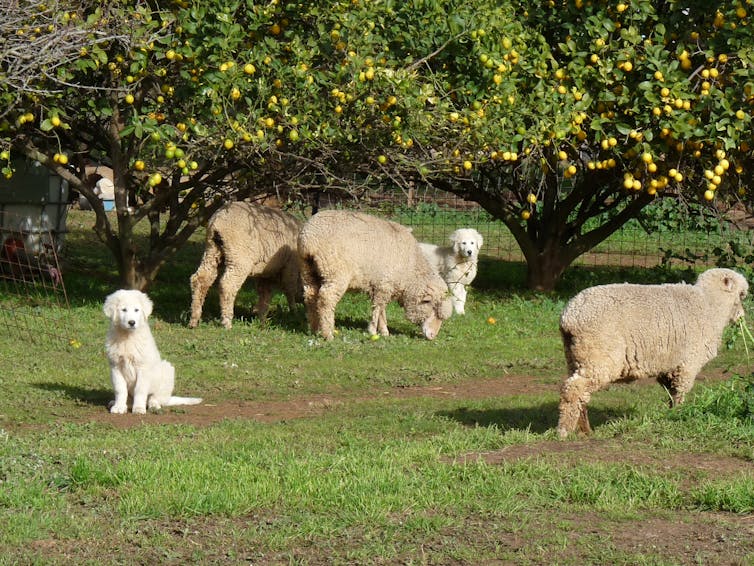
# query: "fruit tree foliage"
563,119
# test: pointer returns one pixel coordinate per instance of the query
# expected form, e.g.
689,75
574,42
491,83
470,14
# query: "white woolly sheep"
248,240
457,263
342,250
624,332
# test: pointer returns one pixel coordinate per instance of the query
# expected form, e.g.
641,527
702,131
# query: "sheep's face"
733,285
738,305
429,308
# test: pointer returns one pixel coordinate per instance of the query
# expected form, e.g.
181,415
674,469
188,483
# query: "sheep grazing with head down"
623,332
341,250
247,240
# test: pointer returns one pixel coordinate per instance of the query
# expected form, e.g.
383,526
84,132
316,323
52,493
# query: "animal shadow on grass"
82,394
360,324
537,418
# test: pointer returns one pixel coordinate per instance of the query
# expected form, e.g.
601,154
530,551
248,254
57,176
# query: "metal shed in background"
33,207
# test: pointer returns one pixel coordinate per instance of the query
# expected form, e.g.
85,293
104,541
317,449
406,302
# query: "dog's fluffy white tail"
173,401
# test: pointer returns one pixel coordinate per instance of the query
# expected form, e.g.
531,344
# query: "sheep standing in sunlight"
623,332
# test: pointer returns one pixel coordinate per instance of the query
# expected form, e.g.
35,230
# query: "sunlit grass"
373,475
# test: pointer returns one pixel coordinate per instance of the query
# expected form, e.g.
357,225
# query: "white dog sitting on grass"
456,264
138,373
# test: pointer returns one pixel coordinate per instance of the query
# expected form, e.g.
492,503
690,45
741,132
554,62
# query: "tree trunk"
544,270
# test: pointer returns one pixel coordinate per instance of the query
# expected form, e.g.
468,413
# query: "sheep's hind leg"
310,281
264,292
574,396
202,280
230,283
330,294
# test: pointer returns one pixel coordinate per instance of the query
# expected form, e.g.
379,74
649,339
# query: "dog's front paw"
139,410
117,409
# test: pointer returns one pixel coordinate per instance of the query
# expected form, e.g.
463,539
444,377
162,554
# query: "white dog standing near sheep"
623,332
341,250
138,372
248,240
457,263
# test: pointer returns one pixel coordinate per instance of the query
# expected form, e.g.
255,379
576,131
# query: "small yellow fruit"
62,159
155,180
382,159
531,198
709,195
228,143
139,165
525,215
374,337
467,165
491,320
129,99
55,121
249,69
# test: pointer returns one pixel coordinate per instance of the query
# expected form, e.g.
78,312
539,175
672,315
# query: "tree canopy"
563,119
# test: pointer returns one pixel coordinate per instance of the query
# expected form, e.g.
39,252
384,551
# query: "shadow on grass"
537,418
82,394
499,278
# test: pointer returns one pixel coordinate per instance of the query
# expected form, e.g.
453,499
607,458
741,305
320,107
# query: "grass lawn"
398,450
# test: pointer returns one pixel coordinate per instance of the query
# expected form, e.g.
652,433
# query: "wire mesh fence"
33,299
434,216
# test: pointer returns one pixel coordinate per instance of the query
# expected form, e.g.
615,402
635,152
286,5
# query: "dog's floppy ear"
479,240
146,305
110,305
454,240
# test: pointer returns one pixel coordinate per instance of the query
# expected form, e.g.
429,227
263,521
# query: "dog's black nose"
469,252
131,323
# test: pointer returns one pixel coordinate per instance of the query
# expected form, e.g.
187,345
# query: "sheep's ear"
146,305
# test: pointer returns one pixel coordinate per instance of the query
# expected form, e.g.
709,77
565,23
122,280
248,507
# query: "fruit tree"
562,118
188,104
565,118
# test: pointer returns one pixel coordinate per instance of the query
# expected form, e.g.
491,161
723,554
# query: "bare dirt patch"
694,465
314,405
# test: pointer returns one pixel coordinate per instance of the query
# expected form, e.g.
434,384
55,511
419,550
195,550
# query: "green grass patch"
394,450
